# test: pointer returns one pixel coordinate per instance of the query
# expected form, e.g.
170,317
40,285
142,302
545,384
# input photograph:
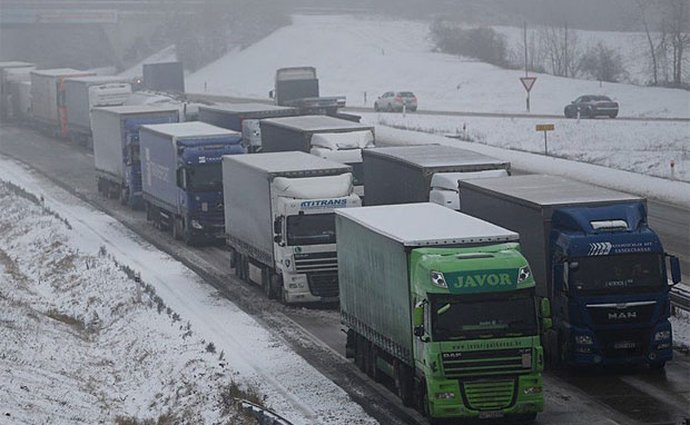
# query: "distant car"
590,106
394,101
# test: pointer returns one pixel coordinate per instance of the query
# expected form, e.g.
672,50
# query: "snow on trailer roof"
136,109
427,224
181,130
16,64
317,123
99,79
548,190
61,72
286,162
434,156
247,107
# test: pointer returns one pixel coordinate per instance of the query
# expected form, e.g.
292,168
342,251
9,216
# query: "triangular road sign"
528,82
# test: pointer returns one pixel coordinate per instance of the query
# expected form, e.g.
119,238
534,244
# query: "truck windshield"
205,178
456,317
607,274
357,173
311,229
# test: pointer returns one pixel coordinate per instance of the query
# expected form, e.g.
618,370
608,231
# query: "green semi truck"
441,306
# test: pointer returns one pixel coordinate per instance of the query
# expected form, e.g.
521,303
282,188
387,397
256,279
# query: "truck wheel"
277,287
237,263
526,418
149,215
404,382
177,230
266,277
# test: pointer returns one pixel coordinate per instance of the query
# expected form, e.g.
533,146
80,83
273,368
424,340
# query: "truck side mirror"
419,319
675,269
271,94
181,178
545,308
278,230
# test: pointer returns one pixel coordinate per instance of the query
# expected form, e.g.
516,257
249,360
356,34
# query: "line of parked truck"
456,282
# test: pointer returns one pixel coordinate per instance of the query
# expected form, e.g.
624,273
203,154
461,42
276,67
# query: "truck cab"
478,331
305,249
444,186
299,87
610,287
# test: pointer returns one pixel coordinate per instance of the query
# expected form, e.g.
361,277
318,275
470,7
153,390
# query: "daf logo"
622,315
219,206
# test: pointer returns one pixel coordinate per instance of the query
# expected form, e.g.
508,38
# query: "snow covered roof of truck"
317,123
61,72
547,190
427,224
239,108
434,156
181,130
98,79
286,162
136,109
15,64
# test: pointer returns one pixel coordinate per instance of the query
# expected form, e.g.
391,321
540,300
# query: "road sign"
528,82
545,127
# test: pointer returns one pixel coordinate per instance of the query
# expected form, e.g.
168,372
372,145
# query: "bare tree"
643,5
561,50
676,21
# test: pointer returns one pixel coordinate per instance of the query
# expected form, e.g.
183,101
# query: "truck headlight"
196,225
662,335
438,279
524,274
583,340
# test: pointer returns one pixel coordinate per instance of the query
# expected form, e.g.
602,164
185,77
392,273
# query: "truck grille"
459,364
323,284
316,262
632,313
623,343
489,395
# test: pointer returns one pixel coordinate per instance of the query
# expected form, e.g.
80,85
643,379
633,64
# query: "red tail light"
398,98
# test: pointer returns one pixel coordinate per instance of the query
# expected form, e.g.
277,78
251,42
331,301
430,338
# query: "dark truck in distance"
299,87
244,117
594,256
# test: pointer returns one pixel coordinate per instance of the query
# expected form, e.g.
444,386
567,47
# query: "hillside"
358,55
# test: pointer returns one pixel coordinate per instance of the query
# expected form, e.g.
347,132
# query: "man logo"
622,315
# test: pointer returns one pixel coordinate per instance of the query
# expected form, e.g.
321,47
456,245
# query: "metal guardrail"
263,416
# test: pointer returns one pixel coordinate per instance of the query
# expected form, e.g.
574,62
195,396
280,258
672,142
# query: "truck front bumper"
486,397
297,288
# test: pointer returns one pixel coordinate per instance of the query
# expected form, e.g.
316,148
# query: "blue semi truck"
594,256
116,147
182,178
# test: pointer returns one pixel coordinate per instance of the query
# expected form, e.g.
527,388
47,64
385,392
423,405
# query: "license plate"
491,414
624,345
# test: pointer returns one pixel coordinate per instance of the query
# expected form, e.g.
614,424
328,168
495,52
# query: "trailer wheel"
360,353
372,369
147,207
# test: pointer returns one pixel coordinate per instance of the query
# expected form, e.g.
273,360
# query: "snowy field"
85,343
644,147
354,55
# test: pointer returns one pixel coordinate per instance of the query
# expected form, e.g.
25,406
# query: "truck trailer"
84,93
442,306
299,87
182,179
244,117
48,107
326,137
280,223
116,148
595,257
9,70
424,173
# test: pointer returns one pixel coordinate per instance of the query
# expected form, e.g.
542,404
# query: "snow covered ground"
84,343
354,55
644,147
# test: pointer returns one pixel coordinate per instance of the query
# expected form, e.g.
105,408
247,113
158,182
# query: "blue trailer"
594,255
116,147
182,178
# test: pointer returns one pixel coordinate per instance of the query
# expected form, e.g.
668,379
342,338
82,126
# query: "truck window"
455,317
205,178
311,229
616,273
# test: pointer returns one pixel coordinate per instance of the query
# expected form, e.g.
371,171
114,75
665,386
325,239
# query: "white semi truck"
280,223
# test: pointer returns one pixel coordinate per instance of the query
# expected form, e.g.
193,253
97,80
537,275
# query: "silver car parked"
394,101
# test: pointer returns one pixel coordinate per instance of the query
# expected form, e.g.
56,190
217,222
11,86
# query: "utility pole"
525,34
566,49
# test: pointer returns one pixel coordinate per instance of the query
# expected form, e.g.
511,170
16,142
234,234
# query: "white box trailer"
11,71
84,93
47,96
